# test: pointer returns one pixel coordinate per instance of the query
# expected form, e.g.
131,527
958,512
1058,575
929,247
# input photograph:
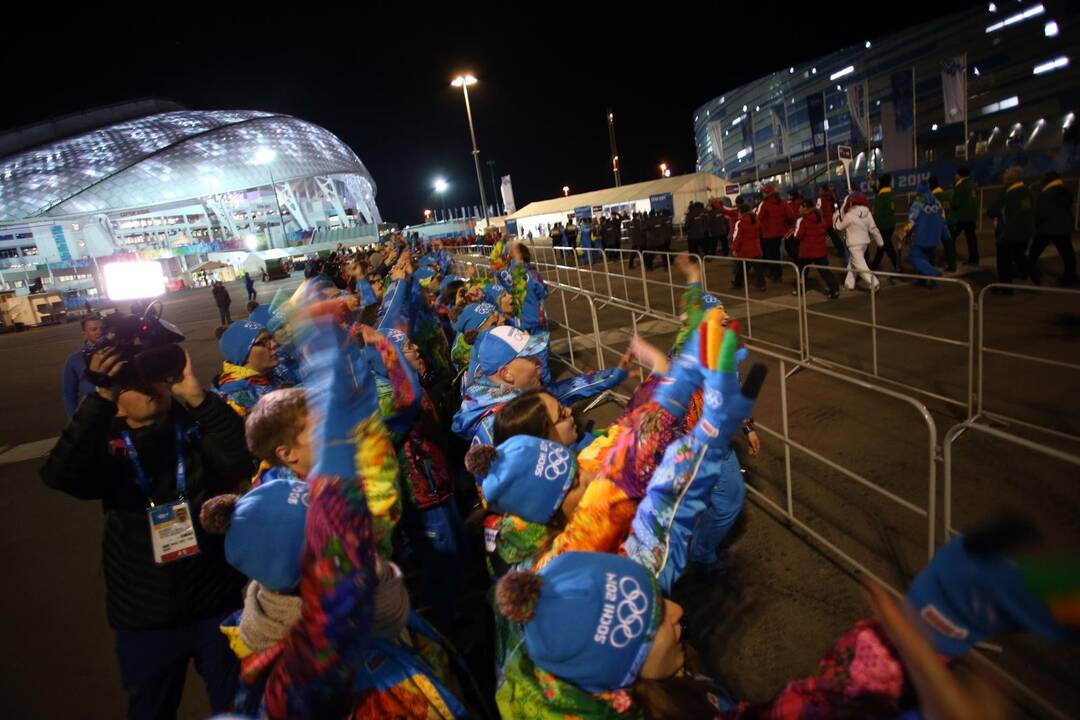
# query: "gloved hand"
340,395
725,406
685,376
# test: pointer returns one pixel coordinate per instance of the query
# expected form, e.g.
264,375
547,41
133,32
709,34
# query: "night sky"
379,79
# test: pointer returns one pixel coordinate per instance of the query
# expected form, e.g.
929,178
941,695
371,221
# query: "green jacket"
1016,209
1053,209
965,203
944,198
884,210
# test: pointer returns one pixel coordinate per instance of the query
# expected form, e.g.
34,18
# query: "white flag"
508,195
953,87
779,129
859,107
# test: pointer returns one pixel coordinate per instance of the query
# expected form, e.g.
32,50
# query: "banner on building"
896,146
903,101
859,107
815,109
507,190
953,88
716,139
779,130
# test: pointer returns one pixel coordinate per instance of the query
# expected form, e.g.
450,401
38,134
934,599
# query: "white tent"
674,192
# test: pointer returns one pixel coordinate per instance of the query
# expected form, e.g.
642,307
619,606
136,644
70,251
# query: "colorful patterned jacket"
410,677
528,291
242,387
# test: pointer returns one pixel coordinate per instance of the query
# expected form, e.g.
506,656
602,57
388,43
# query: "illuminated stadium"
156,180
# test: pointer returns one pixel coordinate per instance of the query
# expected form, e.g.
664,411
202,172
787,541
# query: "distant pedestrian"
1053,224
249,284
1014,218
223,301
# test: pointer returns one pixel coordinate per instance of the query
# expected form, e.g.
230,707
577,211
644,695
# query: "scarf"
269,616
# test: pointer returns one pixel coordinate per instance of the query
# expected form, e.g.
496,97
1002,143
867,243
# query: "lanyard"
140,474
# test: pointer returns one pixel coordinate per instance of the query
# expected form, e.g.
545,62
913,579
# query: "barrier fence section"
974,426
929,512
730,265
1046,363
875,327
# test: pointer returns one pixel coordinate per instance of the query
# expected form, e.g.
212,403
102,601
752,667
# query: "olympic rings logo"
484,309
558,463
629,613
712,398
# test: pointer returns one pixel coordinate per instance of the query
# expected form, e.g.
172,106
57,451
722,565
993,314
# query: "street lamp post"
463,82
566,190
614,150
494,189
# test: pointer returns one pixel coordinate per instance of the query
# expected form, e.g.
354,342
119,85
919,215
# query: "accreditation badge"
172,532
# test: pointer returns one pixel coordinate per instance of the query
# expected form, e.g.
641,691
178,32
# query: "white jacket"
860,226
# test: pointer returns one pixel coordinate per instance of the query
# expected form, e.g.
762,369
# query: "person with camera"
151,445
76,386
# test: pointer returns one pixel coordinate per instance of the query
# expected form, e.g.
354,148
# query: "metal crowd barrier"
875,327
769,305
954,433
788,510
1046,363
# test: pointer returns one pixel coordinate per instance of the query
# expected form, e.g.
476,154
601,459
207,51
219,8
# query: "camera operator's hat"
236,342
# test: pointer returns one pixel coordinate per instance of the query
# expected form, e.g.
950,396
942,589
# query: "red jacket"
775,217
811,234
746,237
794,205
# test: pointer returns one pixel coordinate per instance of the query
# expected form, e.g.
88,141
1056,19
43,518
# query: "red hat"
859,199
768,190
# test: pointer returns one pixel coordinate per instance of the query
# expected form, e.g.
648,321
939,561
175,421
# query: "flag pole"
914,121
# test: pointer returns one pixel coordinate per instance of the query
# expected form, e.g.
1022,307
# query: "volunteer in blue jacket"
76,387
509,362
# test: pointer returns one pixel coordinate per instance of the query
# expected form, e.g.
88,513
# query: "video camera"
147,343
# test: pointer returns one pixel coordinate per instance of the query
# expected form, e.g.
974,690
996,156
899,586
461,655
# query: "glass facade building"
1022,89
175,183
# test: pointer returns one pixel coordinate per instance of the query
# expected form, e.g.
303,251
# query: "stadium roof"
167,157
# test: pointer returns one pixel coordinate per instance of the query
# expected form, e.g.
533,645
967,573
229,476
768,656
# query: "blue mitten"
340,395
725,405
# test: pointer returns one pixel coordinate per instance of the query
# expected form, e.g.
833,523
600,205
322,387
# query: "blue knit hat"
237,340
425,272
260,315
266,533
503,344
589,618
473,316
447,280
963,598
493,292
711,301
529,477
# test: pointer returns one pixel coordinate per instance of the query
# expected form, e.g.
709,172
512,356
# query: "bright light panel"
1018,17
134,280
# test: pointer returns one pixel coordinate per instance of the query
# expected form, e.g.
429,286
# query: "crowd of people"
385,506
767,227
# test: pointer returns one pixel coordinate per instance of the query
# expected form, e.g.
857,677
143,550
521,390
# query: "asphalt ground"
782,601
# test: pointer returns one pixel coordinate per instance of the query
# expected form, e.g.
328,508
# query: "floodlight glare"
134,280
